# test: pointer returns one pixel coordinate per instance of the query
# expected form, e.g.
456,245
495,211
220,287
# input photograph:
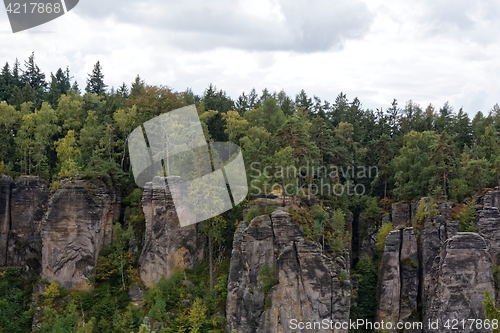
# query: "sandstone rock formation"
22,205
390,278
306,284
77,226
401,214
488,223
29,198
167,245
5,189
464,274
452,270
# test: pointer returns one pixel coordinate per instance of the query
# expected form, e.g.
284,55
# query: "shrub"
384,230
466,218
268,277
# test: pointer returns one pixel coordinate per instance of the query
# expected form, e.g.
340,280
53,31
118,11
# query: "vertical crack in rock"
444,270
308,287
77,226
167,245
28,204
5,216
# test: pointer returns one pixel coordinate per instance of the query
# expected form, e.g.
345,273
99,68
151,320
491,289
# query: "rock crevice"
307,285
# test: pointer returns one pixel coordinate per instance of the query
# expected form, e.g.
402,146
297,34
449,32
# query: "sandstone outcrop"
390,278
77,226
167,245
445,271
462,278
23,203
28,204
5,190
276,275
400,214
488,223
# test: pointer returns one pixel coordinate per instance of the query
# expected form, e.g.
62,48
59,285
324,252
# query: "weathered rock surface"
488,223
167,245
401,214
309,286
409,275
77,226
452,270
5,190
464,275
28,205
390,278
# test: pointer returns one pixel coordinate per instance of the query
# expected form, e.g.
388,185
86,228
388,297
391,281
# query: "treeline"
49,128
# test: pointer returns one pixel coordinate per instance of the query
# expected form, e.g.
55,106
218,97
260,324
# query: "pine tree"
303,101
322,135
63,80
443,157
123,90
54,92
6,83
242,104
285,103
95,81
34,77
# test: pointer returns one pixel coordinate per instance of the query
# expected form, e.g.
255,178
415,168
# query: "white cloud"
376,50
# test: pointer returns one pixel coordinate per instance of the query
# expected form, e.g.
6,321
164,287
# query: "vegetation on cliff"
337,157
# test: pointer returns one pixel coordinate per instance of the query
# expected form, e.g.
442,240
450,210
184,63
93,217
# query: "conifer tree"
95,81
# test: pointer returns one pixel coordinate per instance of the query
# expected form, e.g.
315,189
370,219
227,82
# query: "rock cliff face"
445,271
463,276
78,224
390,278
22,205
488,223
167,246
5,190
276,276
28,204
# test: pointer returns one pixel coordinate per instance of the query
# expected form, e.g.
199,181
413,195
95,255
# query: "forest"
52,128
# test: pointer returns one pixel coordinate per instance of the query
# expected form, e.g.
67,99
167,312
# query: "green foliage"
255,211
168,290
15,302
364,302
68,155
317,225
104,309
413,167
116,265
496,275
268,277
466,218
427,210
490,310
186,305
134,215
383,232
336,235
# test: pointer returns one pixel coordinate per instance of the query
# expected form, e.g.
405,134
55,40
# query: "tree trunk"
210,256
444,185
283,193
124,151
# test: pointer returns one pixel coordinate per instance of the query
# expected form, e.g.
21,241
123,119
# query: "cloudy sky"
425,50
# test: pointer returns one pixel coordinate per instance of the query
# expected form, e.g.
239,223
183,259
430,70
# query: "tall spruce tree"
95,81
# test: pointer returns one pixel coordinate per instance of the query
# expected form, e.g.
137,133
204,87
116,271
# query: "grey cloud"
308,26
463,19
